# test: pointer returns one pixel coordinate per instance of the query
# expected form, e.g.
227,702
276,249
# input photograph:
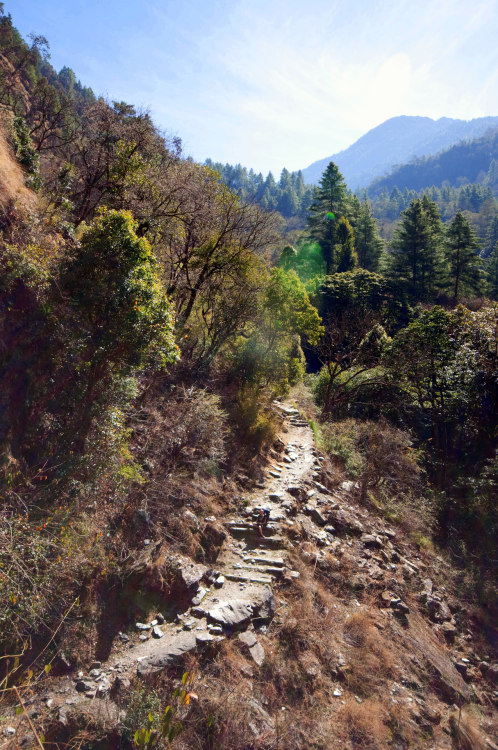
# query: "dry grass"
371,663
365,724
466,733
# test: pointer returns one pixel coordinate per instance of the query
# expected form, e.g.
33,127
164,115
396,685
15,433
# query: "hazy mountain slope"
466,161
396,141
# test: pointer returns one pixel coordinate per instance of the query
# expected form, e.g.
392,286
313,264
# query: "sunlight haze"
276,84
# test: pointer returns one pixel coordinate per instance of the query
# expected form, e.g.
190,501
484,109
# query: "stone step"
241,530
278,562
273,542
270,570
247,578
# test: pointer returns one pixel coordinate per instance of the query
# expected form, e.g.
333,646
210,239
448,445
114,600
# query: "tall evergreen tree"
461,246
369,246
491,266
347,258
415,261
325,211
491,237
432,211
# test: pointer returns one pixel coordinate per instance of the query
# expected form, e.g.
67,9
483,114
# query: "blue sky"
274,83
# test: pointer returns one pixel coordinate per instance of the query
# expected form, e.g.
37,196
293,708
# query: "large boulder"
344,522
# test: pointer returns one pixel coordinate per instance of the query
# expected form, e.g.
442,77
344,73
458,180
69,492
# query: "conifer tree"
432,211
461,246
492,273
416,262
491,237
328,206
369,246
347,258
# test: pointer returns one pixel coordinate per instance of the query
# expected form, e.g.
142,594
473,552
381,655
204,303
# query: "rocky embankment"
233,597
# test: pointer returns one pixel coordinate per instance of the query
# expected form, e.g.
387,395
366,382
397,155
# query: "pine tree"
432,211
285,179
347,258
326,209
461,248
288,204
491,266
369,246
415,261
491,237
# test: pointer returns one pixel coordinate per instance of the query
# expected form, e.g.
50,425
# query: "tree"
444,364
113,287
328,206
461,246
369,246
271,354
415,262
287,258
345,252
491,266
491,237
288,204
353,306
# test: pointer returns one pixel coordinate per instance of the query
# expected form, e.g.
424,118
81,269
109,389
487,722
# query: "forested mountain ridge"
170,367
396,141
474,161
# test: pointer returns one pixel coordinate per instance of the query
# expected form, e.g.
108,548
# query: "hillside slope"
396,141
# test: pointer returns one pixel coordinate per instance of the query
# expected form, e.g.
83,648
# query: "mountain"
397,141
467,161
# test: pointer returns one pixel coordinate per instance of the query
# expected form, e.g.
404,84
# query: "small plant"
168,727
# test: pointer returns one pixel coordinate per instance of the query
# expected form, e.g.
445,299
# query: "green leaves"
288,306
148,738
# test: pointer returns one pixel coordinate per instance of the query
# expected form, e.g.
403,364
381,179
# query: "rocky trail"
235,597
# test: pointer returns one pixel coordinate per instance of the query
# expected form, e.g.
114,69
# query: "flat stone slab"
167,653
254,578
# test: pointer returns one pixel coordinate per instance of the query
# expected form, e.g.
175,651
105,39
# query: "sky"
276,83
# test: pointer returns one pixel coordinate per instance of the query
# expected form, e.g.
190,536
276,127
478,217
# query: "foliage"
168,725
368,244
443,362
328,206
306,260
24,151
492,273
271,352
113,287
289,196
347,259
415,263
461,248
